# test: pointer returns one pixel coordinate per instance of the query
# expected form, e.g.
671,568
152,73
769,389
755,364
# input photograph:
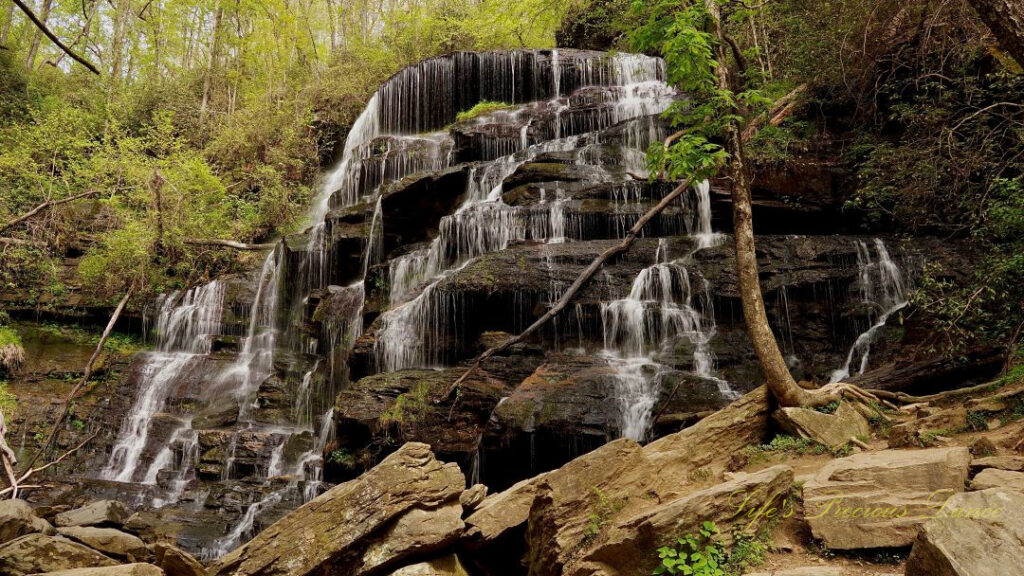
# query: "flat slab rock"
446,566
832,430
994,478
110,541
100,513
123,570
974,534
408,504
880,499
39,553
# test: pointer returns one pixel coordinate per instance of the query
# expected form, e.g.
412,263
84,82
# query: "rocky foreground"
950,505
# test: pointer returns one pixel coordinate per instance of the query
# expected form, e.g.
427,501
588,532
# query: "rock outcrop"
18,519
39,553
832,430
624,548
109,541
973,534
99,513
122,570
408,504
994,478
880,499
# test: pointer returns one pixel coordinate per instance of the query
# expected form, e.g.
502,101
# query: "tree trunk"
37,37
1006,20
211,60
780,381
8,24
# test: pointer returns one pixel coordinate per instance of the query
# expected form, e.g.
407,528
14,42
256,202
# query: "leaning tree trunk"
1006,20
780,381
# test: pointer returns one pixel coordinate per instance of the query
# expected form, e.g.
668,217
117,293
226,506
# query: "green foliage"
603,509
12,354
342,457
783,443
8,401
694,555
748,551
480,109
195,131
408,407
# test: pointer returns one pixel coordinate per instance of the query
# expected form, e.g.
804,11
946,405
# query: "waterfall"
184,328
658,311
412,331
883,289
566,104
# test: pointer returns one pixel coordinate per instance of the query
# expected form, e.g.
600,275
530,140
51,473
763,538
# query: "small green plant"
693,555
8,401
829,408
604,509
480,109
976,421
342,457
747,552
78,425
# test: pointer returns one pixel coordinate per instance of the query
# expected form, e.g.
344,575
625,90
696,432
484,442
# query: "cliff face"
435,236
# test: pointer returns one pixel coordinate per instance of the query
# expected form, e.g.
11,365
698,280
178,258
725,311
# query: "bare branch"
230,244
85,377
42,28
581,280
44,206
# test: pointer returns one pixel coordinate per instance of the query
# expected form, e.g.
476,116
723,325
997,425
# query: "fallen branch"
85,378
857,442
42,28
230,244
581,280
780,111
44,206
17,483
909,399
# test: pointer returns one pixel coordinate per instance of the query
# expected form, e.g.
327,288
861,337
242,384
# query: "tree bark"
780,382
33,48
5,33
1005,18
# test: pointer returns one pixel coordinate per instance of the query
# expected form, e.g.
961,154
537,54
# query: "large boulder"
123,570
100,513
446,566
832,430
110,541
879,499
407,504
175,561
626,547
973,534
994,478
18,519
37,553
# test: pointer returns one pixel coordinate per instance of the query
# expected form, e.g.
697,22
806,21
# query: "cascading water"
658,311
883,290
565,103
184,329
